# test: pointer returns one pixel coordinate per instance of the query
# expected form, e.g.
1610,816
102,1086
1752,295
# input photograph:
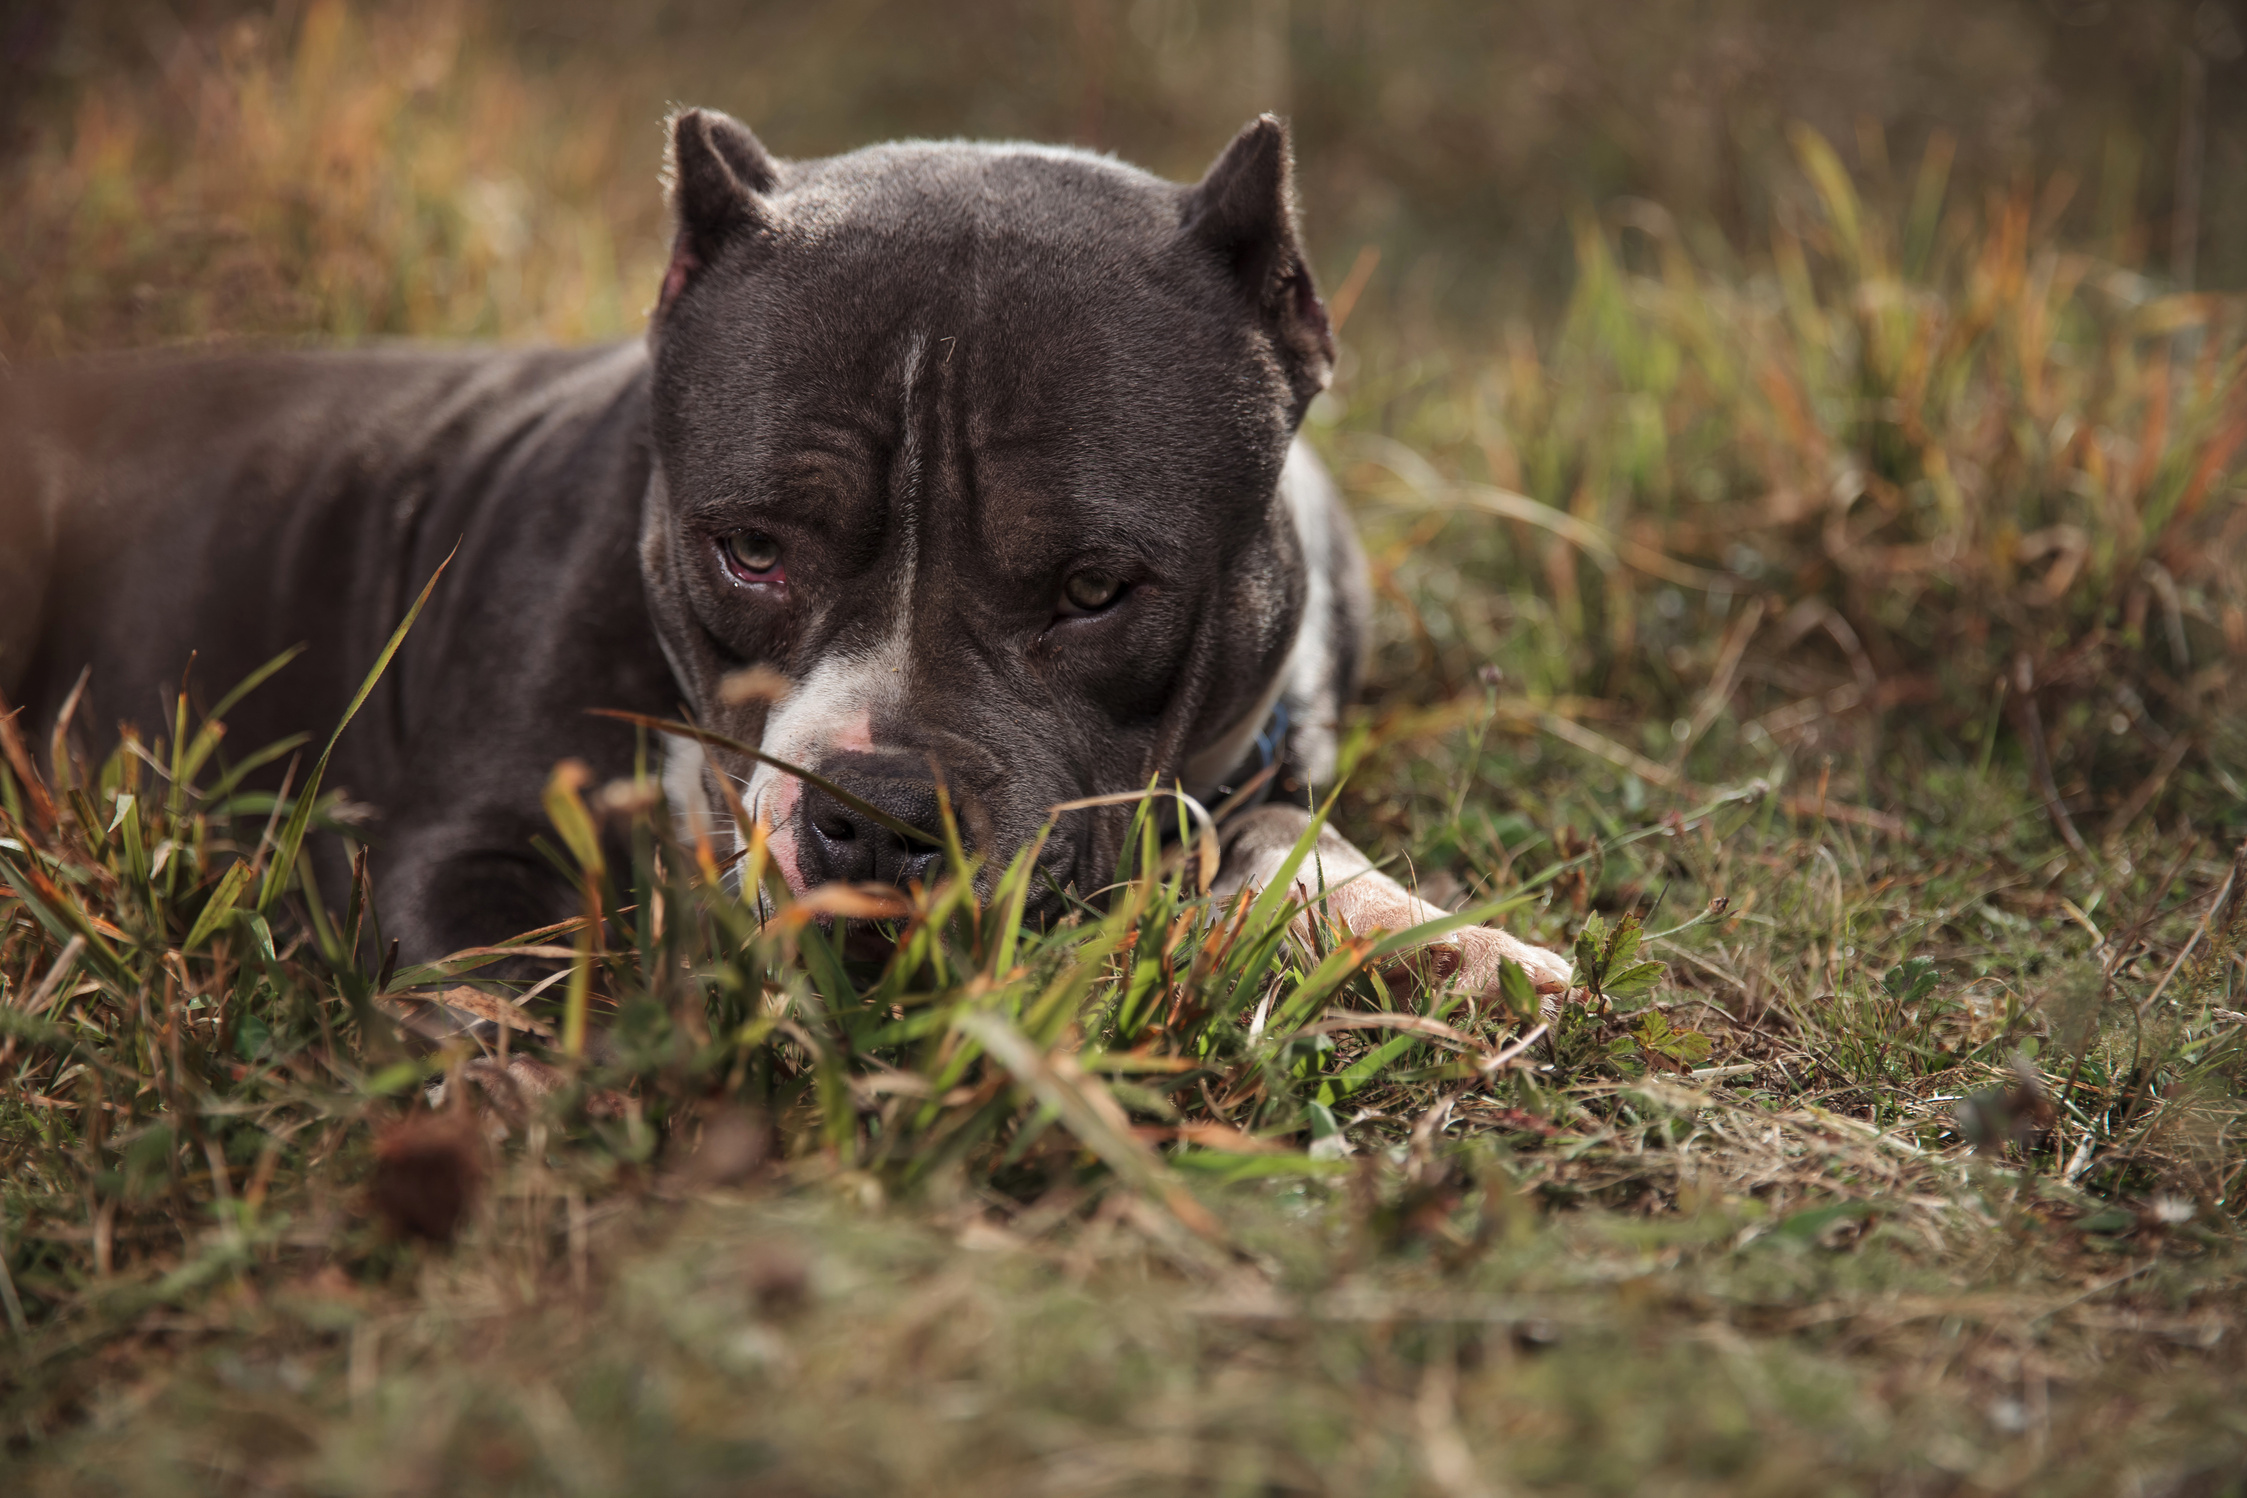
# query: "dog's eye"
753,554
1090,592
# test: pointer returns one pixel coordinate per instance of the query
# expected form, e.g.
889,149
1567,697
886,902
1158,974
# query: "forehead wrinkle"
817,435
1037,515
785,479
775,427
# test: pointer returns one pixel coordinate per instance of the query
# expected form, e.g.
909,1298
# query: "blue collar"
1269,745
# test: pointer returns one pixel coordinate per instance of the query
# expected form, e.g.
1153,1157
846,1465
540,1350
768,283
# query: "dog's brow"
842,433
786,473
828,465
1068,505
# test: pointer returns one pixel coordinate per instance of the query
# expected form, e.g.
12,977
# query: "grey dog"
981,459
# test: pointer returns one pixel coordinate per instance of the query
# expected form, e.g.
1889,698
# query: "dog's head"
976,449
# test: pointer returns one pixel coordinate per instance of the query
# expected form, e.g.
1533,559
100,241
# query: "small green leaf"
394,1078
1230,1168
1638,978
1590,969
1622,946
262,934
1911,980
1515,988
251,1036
1659,1039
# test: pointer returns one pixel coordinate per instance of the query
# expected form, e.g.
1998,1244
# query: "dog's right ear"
1243,211
718,175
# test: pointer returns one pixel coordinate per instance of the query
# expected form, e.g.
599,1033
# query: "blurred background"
169,159
1754,385
1458,139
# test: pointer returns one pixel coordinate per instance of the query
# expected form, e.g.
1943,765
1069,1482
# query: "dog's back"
235,506
162,514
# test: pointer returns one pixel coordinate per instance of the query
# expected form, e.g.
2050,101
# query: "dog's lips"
777,806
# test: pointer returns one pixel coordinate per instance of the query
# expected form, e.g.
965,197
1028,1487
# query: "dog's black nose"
846,844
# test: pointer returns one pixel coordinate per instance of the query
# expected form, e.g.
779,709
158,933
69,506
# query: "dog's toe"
1483,950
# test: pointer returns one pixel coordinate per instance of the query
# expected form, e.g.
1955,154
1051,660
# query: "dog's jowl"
940,464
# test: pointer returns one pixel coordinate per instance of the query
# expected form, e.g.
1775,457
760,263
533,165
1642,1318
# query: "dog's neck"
1219,765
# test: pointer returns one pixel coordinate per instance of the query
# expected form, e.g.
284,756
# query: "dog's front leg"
1362,900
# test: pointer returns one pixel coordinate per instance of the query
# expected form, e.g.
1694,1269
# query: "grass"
1029,1218
1851,624
961,1220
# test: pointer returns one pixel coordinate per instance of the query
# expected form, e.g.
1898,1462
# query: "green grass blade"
1068,1096
285,848
214,722
1010,897
218,907
53,909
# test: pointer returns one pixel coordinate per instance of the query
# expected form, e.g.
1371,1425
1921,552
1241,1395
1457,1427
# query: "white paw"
1481,950
1468,958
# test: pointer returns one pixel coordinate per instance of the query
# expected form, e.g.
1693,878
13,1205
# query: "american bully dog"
988,451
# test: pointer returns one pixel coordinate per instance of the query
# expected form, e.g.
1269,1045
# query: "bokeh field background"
1803,451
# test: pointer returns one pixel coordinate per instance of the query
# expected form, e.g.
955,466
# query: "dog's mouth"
1036,896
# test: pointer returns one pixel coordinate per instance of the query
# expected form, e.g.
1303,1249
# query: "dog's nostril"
836,829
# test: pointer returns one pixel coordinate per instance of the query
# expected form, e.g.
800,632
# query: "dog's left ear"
719,175
1243,210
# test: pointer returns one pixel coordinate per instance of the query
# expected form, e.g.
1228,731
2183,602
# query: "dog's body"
988,451
230,509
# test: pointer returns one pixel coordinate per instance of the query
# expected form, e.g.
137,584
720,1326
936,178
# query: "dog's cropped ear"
718,175
1243,211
